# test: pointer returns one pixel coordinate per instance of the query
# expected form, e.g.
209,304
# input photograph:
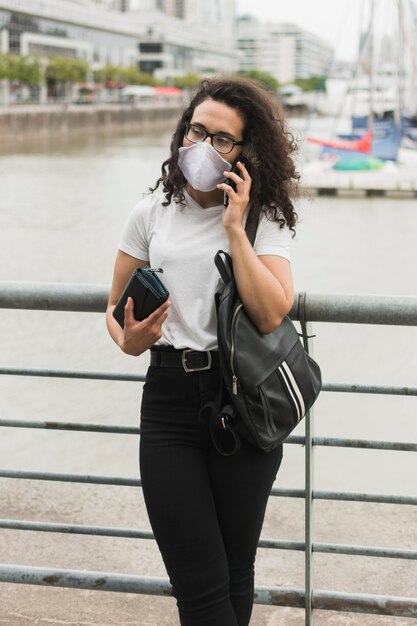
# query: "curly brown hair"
267,151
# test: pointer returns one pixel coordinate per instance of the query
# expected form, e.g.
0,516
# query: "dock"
392,180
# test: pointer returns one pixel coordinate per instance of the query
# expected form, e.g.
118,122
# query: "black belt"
189,360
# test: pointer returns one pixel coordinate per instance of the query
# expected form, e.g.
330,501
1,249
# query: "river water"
63,205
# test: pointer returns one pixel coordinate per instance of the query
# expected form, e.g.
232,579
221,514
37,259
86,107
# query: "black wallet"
148,292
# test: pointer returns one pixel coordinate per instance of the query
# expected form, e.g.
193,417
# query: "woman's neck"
206,199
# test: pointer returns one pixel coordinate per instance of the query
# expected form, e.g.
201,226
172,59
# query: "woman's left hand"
235,210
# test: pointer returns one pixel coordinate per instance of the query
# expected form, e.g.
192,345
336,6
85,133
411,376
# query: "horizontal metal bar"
365,603
365,443
126,376
359,309
127,533
134,430
71,478
275,544
345,308
368,551
81,579
334,548
76,529
48,373
345,496
364,497
371,444
372,389
283,493
53,296
73,426
131,533
106,581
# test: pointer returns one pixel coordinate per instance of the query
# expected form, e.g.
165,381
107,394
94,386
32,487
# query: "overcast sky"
337,21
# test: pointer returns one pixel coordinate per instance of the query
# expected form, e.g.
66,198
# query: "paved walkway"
25,605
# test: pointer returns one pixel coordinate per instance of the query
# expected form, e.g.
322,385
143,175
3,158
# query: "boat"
379,127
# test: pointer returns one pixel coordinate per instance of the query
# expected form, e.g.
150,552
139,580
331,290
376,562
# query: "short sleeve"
135,235
271,239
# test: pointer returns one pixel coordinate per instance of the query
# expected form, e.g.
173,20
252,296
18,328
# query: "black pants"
206,510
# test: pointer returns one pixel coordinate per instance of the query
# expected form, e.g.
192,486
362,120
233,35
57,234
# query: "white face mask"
202,166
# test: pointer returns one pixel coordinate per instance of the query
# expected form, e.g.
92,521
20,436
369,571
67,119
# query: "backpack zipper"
232,351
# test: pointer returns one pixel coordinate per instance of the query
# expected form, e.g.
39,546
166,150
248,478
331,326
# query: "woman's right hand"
140,336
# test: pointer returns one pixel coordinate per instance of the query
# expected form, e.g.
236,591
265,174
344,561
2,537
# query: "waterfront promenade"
18,122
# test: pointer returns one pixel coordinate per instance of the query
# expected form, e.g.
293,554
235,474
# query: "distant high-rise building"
122,5
202,35
175,8
284,50
194,11
115,5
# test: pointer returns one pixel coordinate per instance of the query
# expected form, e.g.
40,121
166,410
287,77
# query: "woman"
207,510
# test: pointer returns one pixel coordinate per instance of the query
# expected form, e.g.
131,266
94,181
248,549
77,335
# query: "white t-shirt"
183,240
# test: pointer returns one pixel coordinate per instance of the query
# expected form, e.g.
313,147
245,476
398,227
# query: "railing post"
309,517
306,330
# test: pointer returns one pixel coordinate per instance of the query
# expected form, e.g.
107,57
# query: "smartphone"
232,184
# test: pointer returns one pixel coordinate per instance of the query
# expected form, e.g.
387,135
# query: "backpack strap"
251,226
222,421
224,265
223,433
222,259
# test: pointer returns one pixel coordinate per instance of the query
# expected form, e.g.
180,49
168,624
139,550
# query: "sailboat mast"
400,64
371,67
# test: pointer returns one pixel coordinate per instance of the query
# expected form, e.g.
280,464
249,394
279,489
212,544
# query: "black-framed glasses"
221,143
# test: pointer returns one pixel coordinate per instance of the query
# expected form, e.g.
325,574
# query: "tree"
63,69
24,69
313,83
61,73
187,81
133,76
4,67
128,75
28,71
268,81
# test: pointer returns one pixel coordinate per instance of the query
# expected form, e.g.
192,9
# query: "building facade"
284,50
175,8
94,31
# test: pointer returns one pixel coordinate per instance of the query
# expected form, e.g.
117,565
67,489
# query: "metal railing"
399,311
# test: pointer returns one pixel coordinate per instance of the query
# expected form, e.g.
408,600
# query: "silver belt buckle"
194,369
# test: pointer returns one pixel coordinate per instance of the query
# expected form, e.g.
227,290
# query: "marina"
370,147
391,180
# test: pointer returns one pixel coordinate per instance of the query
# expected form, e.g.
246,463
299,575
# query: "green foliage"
24,69
99,76
63,69
188,81
128,75
29,71
313,83
268,81
4,66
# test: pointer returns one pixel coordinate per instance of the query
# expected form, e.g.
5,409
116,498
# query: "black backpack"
270,379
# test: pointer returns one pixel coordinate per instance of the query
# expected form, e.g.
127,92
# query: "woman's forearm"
267,296
115,331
